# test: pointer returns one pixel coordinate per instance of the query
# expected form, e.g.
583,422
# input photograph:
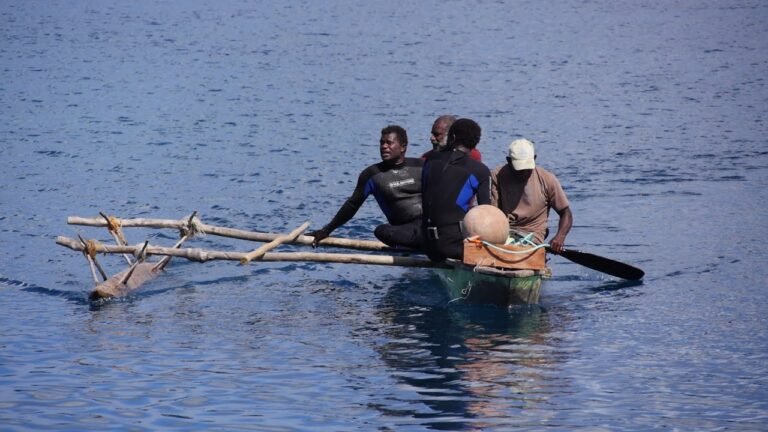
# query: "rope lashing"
185,231
197,254
90,248
192,228
114,226
140,251
113,223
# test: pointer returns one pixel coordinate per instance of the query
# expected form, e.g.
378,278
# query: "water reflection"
471,366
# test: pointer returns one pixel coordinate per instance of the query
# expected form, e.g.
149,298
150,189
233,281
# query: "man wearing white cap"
525,193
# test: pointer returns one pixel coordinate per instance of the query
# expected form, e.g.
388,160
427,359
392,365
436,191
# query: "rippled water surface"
259,115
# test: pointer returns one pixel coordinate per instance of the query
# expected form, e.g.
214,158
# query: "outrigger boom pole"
201,255
200,227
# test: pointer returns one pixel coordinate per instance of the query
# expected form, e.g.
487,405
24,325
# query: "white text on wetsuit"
399,183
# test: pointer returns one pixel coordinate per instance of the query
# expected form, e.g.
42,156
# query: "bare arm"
563,227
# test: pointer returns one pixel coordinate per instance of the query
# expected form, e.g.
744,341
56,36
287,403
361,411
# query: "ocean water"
259,115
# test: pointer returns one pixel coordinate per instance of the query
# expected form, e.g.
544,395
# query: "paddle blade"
604,265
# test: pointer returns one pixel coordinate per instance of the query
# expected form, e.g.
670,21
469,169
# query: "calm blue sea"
260,114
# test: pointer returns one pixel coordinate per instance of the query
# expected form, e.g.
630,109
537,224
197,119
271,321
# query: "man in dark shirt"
438,136
395,182
450,180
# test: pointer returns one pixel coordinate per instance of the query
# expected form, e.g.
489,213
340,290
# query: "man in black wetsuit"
450,180
395,182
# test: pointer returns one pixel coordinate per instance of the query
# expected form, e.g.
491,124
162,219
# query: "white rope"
195,227
525,251
522,238
464,293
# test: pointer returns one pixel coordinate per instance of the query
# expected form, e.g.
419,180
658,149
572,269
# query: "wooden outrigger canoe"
502,275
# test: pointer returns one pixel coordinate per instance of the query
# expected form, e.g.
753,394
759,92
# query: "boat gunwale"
495,271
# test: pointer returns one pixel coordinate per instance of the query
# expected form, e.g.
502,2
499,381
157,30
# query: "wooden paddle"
601,264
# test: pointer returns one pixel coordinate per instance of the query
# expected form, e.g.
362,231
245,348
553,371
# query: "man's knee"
408,236
382,231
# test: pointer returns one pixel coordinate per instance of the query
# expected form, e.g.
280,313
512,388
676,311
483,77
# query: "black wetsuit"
449,182
397,190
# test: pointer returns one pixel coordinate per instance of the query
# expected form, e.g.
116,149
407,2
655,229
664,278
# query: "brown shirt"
527,204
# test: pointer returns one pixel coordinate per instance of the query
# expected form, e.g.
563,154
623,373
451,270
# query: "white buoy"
487,222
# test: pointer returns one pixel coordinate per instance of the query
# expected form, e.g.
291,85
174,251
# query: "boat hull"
485,285
114,287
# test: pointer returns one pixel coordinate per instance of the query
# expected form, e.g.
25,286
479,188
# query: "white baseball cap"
522,154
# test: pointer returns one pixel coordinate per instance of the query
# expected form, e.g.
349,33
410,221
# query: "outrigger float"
503,275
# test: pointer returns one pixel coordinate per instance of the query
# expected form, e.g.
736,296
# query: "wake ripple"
75,297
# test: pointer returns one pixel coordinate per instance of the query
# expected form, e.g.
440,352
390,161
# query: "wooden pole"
132,268
92,260
258,253
93,269
200,255
167,259
368,245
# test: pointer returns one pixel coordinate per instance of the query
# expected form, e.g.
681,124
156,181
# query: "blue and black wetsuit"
449,182
397,190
